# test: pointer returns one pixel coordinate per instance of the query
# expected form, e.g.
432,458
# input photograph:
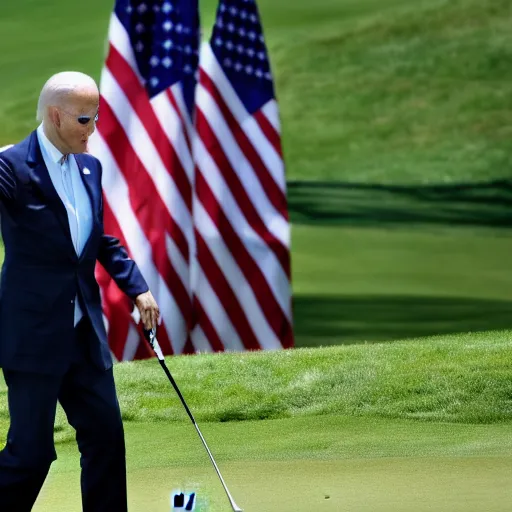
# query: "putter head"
182,501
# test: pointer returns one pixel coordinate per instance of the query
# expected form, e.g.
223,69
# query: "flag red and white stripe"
147,185
242,286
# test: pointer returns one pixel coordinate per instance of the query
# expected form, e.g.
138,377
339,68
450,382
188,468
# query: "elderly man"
53,344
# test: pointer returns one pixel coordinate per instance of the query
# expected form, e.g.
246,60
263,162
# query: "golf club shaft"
151,337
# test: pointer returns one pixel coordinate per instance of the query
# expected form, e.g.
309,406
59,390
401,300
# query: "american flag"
242,287
205,221
147,88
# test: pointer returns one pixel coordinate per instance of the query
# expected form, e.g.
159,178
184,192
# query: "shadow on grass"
483,204
321,320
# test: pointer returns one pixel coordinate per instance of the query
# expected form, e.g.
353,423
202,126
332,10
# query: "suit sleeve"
125,272
115,259
7,181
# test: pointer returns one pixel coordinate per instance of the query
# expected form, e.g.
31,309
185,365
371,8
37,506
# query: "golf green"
328,463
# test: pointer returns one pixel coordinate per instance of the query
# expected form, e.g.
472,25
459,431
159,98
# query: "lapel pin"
86,171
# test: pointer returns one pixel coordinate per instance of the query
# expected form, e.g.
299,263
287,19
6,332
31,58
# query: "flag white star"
139,28
139,47
167,44
142,8
154,81
167,7
167,25
167,62
154,61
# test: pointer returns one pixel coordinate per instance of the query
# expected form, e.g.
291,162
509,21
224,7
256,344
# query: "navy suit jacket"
42,273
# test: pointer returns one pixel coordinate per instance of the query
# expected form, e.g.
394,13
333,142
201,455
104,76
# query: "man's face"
75,119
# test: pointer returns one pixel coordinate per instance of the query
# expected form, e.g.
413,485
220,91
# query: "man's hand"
148,308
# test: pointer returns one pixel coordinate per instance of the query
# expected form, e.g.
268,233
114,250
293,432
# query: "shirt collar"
54,154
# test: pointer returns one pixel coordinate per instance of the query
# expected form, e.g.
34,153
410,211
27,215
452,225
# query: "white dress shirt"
68,183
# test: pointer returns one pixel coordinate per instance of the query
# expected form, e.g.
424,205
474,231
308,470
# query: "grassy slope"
464,378
293,464
416,93
359,460
370,90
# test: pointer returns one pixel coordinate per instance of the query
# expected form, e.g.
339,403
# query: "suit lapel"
40,177
88,180
93,191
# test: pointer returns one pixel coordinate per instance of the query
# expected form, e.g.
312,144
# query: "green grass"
398,92
349,204
354,284
370,91
340,422
460,379
345,427
464,378
291,465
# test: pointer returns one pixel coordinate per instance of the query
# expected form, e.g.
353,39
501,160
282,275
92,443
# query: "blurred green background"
397,122
397,127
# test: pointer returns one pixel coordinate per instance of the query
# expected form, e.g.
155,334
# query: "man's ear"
54,116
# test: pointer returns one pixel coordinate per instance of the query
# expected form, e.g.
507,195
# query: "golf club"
150,336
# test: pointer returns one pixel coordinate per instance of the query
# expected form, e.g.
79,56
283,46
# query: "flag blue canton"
165,39
239,45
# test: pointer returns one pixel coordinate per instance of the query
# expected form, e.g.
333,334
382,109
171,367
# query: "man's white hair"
60,85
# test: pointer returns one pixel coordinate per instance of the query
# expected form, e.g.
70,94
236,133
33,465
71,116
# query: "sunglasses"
82,119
